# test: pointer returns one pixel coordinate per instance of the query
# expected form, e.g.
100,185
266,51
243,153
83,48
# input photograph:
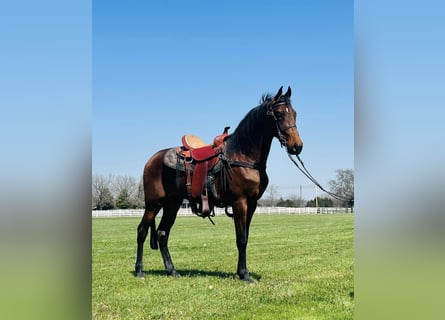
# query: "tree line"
125,192
121,192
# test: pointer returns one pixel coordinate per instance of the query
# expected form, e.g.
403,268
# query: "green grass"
302,266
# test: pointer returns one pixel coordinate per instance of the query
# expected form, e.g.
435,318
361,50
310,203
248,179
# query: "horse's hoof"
249,280
246,278
173,273
138,272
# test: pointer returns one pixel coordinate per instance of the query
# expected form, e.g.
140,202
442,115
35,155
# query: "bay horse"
245,154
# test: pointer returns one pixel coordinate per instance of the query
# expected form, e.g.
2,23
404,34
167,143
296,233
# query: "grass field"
302,266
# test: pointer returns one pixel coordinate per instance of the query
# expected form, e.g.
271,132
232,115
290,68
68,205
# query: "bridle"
280,131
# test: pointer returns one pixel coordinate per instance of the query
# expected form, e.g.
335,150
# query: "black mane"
266,97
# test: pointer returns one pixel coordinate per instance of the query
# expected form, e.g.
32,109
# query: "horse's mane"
254,123
266,97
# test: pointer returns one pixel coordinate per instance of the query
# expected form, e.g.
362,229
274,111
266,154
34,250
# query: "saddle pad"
171,160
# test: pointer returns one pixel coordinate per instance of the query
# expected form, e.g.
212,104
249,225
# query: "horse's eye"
280,116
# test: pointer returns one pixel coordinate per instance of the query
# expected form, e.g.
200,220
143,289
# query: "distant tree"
101,193
299,202
105,200
270,196
343,185
285,203
322,202
139,197
124,201
272,192
124,183
125,190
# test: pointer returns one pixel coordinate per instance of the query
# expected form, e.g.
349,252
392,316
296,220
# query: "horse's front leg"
242,217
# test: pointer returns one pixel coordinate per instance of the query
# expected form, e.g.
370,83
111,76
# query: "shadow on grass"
192,273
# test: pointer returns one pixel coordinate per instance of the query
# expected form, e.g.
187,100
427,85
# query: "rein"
313,180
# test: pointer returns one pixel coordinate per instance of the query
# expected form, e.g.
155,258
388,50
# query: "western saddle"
204,157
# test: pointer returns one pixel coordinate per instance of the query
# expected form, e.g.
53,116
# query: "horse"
244,156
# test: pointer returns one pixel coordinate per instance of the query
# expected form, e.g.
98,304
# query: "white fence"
220,211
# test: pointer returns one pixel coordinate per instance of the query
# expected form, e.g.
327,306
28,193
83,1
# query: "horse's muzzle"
295,149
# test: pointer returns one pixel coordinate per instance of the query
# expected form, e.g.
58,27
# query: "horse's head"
285,118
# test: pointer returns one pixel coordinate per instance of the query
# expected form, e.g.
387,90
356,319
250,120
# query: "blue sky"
153,64
148,68
163,69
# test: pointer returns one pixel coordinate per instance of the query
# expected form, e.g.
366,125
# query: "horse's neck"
251,143
261,153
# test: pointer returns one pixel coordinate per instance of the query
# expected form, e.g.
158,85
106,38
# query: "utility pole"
316,198
300,197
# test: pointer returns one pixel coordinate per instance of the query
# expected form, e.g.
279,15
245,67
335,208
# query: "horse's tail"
153,235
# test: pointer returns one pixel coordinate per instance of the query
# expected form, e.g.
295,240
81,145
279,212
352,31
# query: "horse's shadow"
195,273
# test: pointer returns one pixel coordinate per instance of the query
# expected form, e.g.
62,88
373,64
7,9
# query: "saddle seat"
204,157
190,141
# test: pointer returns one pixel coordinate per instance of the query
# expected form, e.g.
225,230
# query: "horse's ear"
278,95
288,92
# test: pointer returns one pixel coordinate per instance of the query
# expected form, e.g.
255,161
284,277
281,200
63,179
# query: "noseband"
270,112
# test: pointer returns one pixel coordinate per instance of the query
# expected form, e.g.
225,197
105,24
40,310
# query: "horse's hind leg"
148,221
170,212
153,236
